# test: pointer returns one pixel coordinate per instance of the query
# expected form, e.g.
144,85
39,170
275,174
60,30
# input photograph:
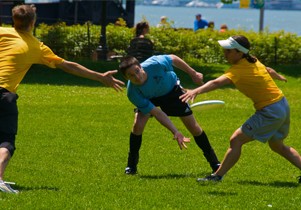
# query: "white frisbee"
206,105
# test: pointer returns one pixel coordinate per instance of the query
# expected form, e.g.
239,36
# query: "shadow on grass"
271,184
168,176
220,193
20,188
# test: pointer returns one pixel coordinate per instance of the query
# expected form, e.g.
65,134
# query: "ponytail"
250,58
243,41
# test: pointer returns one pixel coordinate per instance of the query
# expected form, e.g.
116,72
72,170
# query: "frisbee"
207,105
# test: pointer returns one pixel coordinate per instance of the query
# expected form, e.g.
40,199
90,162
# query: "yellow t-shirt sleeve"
48,58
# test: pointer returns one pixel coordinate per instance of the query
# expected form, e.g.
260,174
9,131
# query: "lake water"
247,19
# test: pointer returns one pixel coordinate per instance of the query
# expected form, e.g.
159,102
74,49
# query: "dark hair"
126,63
140,26
211,24
23,16
243,41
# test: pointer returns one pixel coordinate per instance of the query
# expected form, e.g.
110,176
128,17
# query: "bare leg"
202,141
287,152
192,125
4,159
139,123
232,155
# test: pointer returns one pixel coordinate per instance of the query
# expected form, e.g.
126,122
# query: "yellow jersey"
254,81
18,51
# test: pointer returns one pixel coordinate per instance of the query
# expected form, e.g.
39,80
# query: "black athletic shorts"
8,112
8,119
171,104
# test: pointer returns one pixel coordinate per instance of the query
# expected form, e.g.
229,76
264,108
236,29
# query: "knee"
197,131
235,143
7,149
4,155
277,146
137,129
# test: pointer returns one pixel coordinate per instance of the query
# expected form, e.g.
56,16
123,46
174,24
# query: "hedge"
80,41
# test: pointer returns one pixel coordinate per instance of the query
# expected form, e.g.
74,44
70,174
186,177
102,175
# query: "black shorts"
171,103
8,119
8,112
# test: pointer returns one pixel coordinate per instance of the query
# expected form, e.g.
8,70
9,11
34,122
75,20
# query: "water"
247,19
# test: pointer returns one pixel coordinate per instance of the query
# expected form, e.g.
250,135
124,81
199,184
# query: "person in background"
163,23
271,121
223,28
153,84
140,46
19,49
211,25
199,23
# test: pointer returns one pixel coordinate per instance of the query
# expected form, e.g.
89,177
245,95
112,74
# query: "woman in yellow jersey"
19,49
270,123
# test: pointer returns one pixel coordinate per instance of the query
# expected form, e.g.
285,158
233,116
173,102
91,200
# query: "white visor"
232,44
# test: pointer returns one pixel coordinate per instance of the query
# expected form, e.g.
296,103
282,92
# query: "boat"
197,3
165,3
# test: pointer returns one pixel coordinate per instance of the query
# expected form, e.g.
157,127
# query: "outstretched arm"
166,122
81,71
196,77
275,75
208,86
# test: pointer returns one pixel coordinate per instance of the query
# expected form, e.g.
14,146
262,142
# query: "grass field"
73,141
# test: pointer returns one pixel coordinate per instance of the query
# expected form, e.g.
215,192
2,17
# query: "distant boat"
166,2
197,3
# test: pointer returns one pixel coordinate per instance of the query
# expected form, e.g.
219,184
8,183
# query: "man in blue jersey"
153,84
199,23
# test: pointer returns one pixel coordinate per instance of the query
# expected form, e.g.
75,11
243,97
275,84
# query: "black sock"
135,144
203,143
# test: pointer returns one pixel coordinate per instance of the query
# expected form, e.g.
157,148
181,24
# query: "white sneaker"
4,187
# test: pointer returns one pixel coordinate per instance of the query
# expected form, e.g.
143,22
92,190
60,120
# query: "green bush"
72,42
79,41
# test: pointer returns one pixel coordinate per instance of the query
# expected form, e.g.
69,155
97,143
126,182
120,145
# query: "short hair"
126,63
224,26
140,26
23,16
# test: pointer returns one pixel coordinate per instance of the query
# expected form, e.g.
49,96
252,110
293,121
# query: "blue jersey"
161,79
200,24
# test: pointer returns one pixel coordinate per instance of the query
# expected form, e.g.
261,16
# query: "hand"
282,78
109,80
189,95
197,78
181,140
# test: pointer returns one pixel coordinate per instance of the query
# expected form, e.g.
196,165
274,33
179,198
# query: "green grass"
73,141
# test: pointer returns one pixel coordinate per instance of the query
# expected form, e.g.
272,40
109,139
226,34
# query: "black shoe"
299,179
215,167
212,177
130,171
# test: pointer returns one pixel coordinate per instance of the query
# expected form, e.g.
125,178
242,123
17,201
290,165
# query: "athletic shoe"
4,187
299,179
212,177
130,171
